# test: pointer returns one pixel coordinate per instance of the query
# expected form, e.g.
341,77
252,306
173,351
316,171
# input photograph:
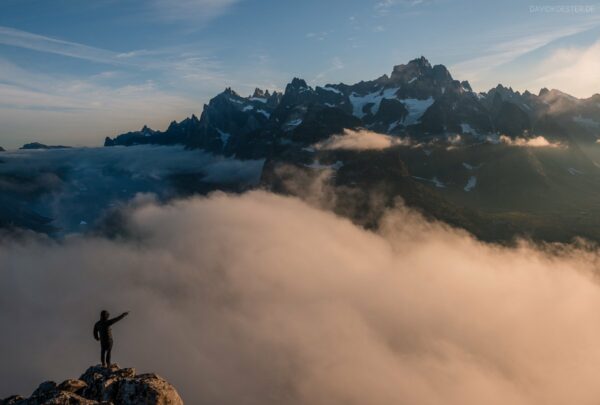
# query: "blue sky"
73,72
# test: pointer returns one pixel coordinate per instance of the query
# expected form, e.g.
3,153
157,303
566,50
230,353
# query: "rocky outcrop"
100,385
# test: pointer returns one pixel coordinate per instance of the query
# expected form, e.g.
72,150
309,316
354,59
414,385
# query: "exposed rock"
13,399
100,385
75,386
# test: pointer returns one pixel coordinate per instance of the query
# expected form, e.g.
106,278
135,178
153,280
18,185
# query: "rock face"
99,385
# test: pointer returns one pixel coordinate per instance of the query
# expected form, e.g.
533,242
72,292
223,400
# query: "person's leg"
103,355
108,350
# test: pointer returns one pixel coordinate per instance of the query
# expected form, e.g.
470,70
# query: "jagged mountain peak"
228,92
147,130
297,84
466,85
259,93
420,68
419,65
422,62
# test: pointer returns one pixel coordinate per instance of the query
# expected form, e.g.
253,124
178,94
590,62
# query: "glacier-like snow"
359,102
416,108
331,89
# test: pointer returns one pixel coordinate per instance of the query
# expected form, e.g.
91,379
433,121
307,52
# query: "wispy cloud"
519,43
80,111
360,140
199,11
190,65
383,7
28,40
571,69
319,36
335,64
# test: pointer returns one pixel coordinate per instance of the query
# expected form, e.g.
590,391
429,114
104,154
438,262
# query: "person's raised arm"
118,318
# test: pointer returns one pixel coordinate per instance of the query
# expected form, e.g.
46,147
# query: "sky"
74,72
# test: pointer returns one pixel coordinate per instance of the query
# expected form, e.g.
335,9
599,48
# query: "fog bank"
260,299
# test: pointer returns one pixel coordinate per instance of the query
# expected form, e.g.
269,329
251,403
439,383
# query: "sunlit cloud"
361,140
482,71
314,311
535,142
571,69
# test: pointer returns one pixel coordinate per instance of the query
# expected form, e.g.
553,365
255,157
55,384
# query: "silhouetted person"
103,334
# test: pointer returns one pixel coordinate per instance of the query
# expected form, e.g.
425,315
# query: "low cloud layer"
535,142
361,140
260,299
76,186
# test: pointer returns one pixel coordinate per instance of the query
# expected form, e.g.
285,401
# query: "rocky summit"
100,385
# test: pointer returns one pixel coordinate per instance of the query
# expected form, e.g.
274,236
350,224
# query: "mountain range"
500,164
416,100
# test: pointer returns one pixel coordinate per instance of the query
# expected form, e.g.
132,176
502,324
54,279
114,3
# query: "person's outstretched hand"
125,313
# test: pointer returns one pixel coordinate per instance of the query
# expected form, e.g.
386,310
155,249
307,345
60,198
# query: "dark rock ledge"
99,385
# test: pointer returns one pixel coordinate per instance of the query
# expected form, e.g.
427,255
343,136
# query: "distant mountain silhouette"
37,145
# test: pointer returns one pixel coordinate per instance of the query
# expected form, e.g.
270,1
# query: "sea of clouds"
76,187
256,298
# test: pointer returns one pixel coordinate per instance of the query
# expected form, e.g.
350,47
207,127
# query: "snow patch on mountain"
290,125
359,102
259,99
224,136
333,90
470,167
467,129
263,112
436,182
416,108
471,183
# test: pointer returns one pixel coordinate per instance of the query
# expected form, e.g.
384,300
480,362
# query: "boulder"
102,385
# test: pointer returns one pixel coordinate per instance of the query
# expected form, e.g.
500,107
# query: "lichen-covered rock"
13,399
74,386
147,389
103,386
